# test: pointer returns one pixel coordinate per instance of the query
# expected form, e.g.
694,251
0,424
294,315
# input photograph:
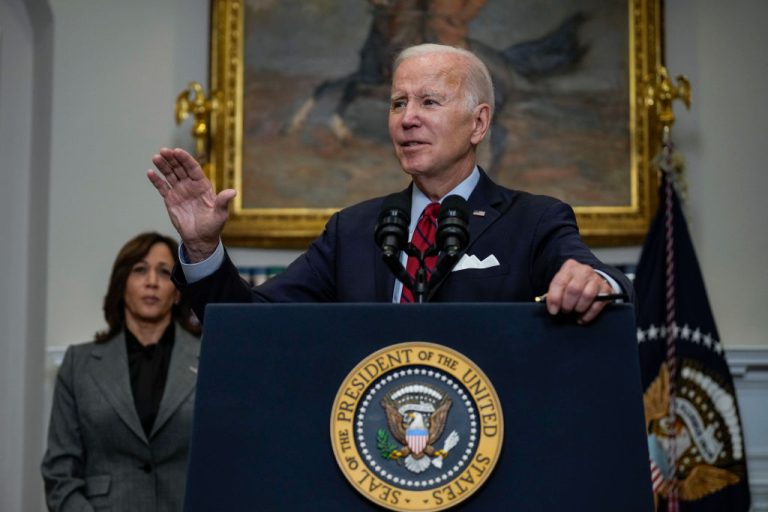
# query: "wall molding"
747,363
749,368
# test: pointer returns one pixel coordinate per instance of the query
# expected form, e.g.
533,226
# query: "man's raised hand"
196,211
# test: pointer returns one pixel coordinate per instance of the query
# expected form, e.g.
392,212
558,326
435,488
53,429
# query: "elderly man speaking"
519,246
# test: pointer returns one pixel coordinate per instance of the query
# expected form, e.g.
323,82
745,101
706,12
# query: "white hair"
479,85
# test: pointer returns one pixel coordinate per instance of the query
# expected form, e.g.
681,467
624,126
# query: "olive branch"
384,444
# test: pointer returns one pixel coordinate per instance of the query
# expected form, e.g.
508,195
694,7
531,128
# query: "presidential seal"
416,426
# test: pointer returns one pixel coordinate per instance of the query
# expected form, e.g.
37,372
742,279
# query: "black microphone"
391,233
453,226
452,238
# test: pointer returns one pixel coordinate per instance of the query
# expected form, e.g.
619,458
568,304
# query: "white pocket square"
472,261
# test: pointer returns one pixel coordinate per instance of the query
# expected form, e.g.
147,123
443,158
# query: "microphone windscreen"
398,201
391,232
453,225
454,206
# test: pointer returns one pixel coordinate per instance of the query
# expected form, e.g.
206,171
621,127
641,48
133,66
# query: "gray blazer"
98,457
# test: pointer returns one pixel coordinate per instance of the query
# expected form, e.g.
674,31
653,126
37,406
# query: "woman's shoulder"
80,352
78,349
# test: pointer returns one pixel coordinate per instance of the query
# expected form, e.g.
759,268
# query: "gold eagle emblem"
696,479
416,419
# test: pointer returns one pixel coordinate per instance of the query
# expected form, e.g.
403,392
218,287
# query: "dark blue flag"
695,438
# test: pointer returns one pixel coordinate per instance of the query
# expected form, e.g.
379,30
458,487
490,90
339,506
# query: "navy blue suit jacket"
530,235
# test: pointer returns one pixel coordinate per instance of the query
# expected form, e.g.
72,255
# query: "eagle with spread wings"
416,433
700,480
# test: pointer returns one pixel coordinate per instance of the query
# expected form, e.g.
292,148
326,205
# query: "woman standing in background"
122,406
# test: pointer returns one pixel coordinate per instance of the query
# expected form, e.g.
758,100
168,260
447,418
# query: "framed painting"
303,90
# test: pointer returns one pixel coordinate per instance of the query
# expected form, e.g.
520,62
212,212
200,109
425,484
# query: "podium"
574,435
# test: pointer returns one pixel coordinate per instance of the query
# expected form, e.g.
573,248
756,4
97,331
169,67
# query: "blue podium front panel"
574,433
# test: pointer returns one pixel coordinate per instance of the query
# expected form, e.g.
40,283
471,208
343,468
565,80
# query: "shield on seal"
417,435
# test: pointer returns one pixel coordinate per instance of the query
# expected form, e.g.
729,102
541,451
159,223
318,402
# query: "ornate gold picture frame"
301,90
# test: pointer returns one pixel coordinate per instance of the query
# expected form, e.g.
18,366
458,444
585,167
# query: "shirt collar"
419,200
134,345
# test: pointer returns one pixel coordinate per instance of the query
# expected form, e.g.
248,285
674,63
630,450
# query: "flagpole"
661,95
673,501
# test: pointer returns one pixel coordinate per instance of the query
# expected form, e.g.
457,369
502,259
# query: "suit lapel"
110,373
182,377
486,204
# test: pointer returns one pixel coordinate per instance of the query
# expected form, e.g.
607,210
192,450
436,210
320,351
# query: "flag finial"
661,92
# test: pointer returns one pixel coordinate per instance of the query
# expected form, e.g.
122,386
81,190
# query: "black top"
148,367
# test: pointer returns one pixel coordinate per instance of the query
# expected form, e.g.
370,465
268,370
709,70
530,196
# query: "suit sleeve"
64,459
310,278
558,240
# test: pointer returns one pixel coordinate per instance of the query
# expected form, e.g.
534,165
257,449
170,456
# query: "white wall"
16,33
117,71
721,46
116,68
25,90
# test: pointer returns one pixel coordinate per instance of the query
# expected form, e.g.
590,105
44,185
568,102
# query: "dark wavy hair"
114,303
